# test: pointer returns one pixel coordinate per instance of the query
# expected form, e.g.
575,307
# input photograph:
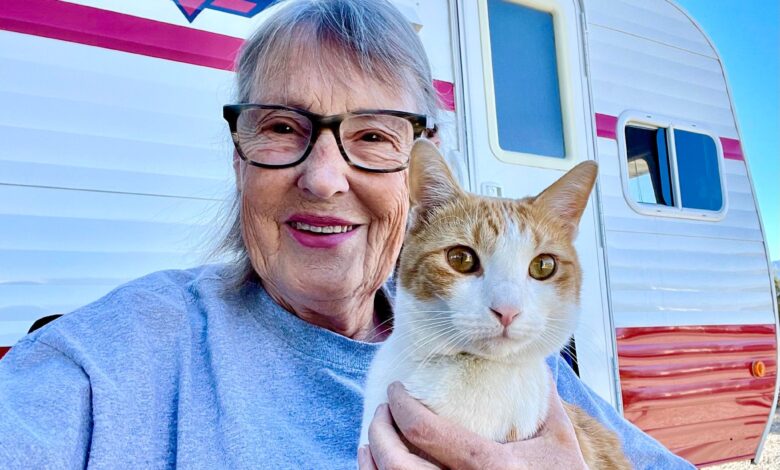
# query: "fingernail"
361,455
376,412
393,387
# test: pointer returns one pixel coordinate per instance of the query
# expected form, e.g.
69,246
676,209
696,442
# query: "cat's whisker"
413,347
433,353
443,332
431,340
415,322
552,343
420,331
454,341
582,339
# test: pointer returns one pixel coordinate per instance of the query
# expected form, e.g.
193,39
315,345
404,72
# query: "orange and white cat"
488,288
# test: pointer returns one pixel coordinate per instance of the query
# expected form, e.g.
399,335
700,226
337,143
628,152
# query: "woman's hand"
555,446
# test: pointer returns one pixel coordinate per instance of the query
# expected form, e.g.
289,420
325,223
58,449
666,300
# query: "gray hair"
369,37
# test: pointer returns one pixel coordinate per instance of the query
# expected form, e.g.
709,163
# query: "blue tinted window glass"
697,164
525,78
649,176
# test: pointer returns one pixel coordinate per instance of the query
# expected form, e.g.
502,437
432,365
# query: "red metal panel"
692,387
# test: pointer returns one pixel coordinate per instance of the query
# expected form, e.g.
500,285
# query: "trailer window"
525,79
649,178
672,170
697,163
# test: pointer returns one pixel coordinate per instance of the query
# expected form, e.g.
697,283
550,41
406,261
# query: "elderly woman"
260,363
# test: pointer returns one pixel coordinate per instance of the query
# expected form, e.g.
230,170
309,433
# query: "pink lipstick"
315,231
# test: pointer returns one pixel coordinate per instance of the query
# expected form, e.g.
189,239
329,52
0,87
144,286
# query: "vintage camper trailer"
115,159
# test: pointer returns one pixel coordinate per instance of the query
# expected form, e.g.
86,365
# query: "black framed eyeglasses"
376,140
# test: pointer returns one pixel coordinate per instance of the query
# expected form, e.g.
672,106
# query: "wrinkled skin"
334,287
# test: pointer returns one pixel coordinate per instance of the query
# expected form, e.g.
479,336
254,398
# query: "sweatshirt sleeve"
45,408
643,451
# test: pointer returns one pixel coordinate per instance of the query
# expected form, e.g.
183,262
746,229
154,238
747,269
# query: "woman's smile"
315,231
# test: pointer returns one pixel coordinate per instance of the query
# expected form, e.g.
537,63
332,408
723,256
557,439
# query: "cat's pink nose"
505,314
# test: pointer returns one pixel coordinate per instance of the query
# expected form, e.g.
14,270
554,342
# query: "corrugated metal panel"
630,72
658,21
666,271
692,387
113,165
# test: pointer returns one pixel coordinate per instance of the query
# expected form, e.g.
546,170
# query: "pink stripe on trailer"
446,92
117,31
732,149
111,30
606,126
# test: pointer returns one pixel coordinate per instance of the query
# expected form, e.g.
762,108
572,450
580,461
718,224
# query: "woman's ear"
238,168
435,139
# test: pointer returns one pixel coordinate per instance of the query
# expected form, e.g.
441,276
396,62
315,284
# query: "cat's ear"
566,198
431,183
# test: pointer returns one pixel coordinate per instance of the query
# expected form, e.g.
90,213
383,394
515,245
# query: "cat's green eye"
463,259
542,267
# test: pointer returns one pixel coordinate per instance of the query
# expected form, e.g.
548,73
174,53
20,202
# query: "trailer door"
528,121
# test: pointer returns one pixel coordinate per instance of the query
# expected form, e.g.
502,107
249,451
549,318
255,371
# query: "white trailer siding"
690,298
113,165
115,159
671,256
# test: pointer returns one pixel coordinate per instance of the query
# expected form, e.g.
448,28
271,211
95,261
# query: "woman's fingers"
386,450
448,443
555,446
383,439
365,460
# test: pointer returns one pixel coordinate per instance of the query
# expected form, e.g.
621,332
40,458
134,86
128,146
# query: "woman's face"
301,269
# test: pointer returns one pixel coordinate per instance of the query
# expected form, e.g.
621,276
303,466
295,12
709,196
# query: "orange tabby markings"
453,345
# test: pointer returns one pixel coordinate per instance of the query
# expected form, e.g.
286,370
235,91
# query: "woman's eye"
372,137
542,267
281,128
463,259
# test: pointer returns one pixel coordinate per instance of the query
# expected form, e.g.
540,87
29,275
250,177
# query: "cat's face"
497,278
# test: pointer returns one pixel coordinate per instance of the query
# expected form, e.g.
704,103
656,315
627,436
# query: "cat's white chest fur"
489,398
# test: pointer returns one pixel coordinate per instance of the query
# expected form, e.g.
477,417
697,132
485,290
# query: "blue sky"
747,36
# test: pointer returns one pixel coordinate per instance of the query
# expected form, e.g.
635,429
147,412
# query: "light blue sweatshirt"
172,370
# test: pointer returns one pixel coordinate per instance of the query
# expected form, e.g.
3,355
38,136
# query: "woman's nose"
324,172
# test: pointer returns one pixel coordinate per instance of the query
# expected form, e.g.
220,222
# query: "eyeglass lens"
280,137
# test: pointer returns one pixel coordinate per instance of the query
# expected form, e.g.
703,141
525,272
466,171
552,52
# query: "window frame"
566,50
655,121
